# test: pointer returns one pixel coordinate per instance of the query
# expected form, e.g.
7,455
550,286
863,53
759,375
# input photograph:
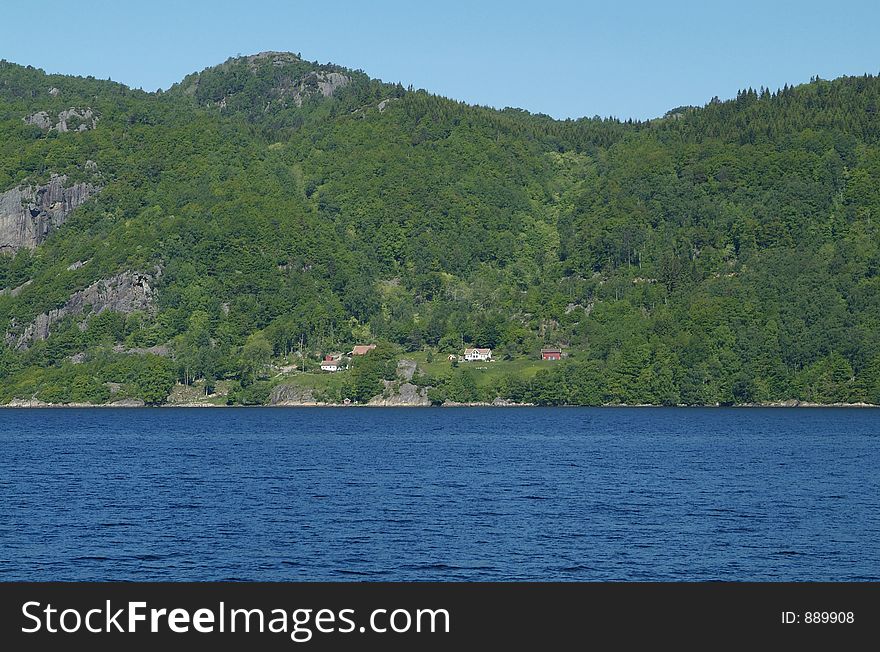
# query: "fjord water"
440,494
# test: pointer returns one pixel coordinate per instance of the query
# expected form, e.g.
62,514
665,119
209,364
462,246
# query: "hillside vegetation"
269,207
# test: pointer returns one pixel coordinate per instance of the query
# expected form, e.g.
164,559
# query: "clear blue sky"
565,58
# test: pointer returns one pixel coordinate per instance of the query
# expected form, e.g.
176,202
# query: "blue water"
440,494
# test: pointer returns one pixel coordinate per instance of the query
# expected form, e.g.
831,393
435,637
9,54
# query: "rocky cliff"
126,293
323,83
29,213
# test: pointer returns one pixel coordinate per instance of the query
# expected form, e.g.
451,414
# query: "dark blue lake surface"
440,494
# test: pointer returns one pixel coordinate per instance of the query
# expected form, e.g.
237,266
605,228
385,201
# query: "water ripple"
477,494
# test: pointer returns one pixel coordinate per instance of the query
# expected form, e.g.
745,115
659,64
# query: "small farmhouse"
474,355
331,364
551,354
362,349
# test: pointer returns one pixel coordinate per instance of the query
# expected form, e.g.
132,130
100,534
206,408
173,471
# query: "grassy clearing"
484,372
314,380
195,393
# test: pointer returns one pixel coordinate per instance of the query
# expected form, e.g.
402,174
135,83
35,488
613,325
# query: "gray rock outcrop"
278,59
14,292
292,395
161,350
506,402
406,369
127,402
407,395
39,119
385,103
126,293
324,83
71,119
26,403
29,213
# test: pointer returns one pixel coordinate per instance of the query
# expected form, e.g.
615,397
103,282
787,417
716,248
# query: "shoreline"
20,404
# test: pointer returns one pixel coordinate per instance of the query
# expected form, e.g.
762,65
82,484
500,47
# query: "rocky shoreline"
379,401
399,393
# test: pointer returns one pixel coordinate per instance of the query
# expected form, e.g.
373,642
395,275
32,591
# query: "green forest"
278,210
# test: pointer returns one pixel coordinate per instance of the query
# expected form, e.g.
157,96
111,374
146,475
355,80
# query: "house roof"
551,350
362,349
466,351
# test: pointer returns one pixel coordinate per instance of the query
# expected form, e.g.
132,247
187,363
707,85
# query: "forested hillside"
220,238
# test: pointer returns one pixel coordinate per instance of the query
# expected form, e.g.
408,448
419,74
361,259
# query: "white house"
329,364
474,355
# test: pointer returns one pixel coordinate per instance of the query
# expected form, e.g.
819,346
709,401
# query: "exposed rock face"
126,293
506,402
127,402
292,395
159,349
28,214
71,119
14,292
26,402
384,104
406,395
406,369
76,119
278,59
330,81
325,83
39,119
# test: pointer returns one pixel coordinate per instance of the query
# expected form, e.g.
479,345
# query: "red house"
551,354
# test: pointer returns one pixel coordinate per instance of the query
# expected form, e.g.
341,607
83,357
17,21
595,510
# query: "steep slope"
271,205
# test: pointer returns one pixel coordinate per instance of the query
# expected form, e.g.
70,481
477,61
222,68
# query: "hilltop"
219,239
